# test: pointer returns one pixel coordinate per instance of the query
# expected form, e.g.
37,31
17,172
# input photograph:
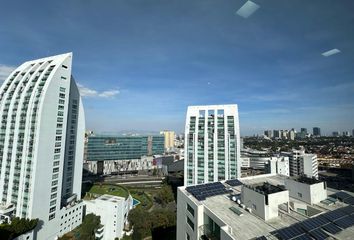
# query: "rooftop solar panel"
234,182
349,200
334,215
348,210
331,228
261,238
313,223
201,192
290,232
303,237
318,234
345,222
343,195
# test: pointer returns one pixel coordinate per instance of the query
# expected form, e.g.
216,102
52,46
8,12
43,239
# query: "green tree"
164,195
17,227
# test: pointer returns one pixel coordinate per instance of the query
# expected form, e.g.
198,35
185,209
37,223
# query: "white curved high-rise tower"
41,145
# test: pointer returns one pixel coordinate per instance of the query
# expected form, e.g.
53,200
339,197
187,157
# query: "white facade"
41,142
212,144
113,211
311,193
302,163
279,165
264,204
256,209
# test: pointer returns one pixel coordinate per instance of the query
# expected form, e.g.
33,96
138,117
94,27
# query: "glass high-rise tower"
212,144
41,146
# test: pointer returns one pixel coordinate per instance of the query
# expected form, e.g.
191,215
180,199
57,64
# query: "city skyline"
140,65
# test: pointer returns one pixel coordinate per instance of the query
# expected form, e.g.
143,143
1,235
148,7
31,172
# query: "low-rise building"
113,211
278,165
302,163
264,207
106,154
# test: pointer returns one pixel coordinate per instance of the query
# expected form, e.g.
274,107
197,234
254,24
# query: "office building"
316,132
169,139
212,144
41,146
113,211
291,134
276,133
335,134
268,133
346,134
302,163
107,154
353,133
256,158
264,207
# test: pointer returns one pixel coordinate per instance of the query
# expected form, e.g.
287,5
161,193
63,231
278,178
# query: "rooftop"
304,179
245,225
266,188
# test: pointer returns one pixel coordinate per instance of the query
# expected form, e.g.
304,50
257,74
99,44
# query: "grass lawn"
109,189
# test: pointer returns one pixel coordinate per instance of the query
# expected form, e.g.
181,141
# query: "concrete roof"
249,225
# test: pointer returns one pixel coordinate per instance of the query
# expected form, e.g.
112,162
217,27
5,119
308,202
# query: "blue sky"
141,63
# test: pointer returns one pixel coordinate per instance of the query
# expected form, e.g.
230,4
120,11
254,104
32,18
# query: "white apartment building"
279,165
302,163
169,139
212,144
264,207
41,146
113,211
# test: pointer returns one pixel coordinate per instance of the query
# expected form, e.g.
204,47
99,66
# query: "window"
54,189
62,89
51,216
63,78
59,125
190,209
57,150
299,195
54,182
60,113
64,66
60,107
60,119
188,237
56,163
59,131
53,202
58,138
55,170
57,156
53,196
190,223
52,209
61,101
61,95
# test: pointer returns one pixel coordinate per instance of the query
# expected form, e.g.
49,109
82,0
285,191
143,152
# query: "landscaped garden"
100,189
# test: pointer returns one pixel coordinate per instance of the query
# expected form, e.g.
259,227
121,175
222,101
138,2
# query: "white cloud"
108,94
5,71
88,92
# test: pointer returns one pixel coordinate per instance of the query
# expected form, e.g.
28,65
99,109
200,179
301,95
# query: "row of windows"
57,150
